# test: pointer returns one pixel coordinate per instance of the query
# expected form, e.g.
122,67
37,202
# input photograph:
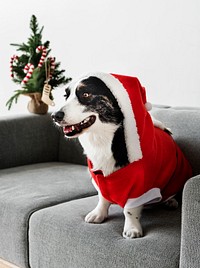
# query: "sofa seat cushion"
59,237
29,188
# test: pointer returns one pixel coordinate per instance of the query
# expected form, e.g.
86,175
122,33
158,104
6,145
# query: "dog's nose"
58,116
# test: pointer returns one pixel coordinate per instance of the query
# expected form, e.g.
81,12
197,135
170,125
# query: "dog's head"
89,105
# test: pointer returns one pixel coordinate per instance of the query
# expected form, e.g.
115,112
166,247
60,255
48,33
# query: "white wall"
157,41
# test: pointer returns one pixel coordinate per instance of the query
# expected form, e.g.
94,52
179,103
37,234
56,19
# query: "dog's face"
89,106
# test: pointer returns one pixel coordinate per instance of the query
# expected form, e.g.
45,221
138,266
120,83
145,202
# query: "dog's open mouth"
73,130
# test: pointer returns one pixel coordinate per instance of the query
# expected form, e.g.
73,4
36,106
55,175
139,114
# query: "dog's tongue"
69,129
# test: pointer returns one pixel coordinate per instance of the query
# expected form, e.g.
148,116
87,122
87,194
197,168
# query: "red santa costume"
158,168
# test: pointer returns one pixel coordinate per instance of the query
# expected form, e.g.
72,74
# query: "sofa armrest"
27,139
190,239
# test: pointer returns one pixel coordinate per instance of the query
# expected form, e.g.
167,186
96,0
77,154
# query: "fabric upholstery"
60,238
27,140
71,151
190,241
28,188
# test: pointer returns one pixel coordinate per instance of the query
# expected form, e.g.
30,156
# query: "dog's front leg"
132,226
100,213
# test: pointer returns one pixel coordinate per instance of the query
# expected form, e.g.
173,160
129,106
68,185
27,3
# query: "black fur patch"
119,148
67,93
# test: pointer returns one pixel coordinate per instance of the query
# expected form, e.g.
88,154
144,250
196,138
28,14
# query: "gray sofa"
45,193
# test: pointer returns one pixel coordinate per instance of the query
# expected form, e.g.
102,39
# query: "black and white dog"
92,113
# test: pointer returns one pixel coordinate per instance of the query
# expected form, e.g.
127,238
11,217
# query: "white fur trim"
152,196
130,128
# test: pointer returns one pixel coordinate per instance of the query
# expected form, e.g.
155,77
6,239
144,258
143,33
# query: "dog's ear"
67,93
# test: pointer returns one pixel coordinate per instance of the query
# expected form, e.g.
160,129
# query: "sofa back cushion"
185,126
70,150
27,139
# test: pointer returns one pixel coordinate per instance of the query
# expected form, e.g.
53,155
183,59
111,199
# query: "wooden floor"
5,264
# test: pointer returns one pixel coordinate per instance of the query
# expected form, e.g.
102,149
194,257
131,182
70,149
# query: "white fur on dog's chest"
98,150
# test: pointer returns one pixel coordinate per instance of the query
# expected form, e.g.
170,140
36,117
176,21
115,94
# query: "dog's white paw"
132,226
132,233
96,216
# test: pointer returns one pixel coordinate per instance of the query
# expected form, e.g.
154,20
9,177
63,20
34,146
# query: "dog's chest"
98,150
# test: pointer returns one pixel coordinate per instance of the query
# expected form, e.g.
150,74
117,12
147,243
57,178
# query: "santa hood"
131,97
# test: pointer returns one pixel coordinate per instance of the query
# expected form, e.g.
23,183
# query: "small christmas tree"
34,67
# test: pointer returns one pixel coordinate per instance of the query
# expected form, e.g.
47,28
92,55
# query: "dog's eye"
86,95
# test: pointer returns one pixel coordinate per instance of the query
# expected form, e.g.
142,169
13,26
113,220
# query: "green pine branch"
34,25
14,98
21,47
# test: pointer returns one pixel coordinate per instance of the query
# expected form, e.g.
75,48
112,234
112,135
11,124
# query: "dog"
132,157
